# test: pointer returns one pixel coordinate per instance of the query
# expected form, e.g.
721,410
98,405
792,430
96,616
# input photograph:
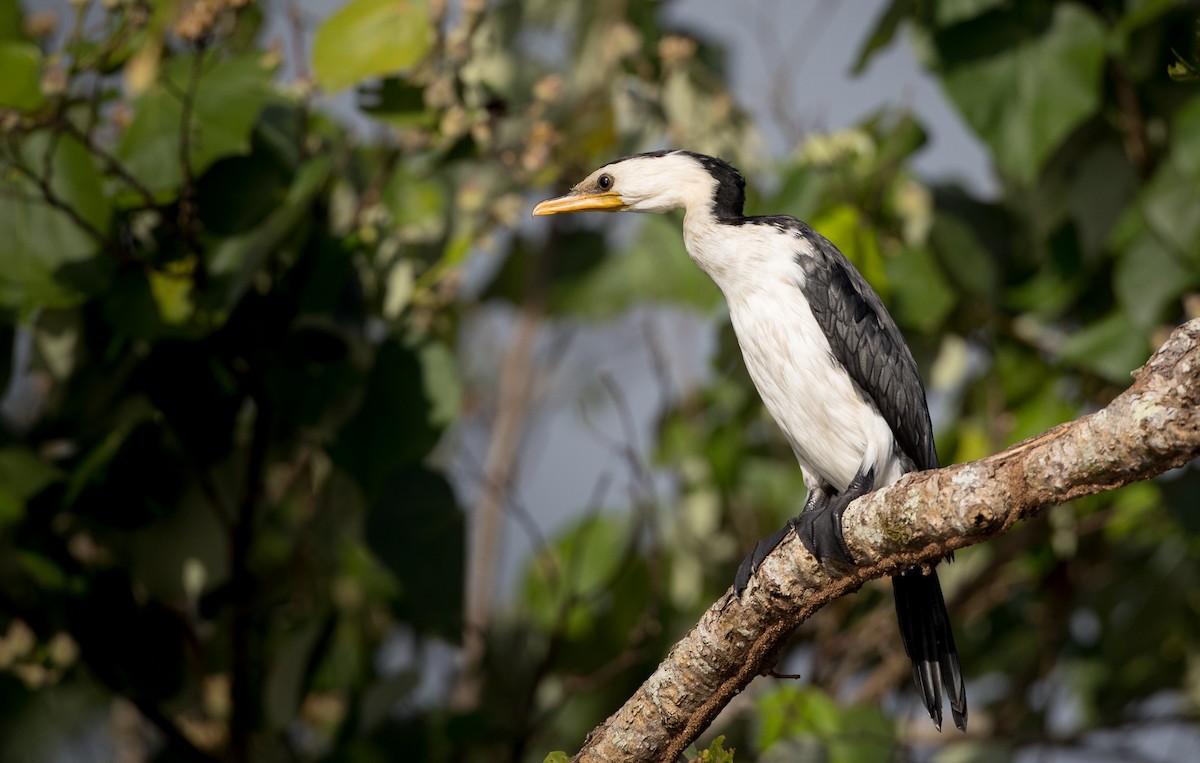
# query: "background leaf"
369,38
230,95
43,240
20,87
1023,80
417,531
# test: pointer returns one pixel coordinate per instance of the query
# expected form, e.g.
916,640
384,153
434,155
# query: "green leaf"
239,258
313,375
416,528
291,659
1157,240
963,256
1045,409
23,474
563,579
20,87
1148,278
1098,194
1185,146
394,425
1171,213
44,571
12,508
370,38
397,102
1183,70
850,232
10,20
558,756
417,203
881,35
1140,14
238,193
949,12
41,243
715,753
854,734
898,137
1164,208
1023,85
229,96
442,386
172,291
1112,347
922,296
1134,510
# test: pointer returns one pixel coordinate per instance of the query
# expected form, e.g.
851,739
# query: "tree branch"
1150,428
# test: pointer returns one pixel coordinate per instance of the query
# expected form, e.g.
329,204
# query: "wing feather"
864,338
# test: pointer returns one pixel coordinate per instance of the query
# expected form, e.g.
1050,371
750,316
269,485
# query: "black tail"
925,628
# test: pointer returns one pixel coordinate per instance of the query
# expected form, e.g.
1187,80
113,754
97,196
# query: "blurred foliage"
715,753
232,353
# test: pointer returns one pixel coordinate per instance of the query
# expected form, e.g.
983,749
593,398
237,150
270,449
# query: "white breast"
833,430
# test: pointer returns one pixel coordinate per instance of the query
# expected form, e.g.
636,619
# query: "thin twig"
110,162
242,627
1138,147
500,465
52,199
186,220
516,508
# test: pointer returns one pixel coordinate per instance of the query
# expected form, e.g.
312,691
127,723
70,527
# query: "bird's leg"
817,498
820,527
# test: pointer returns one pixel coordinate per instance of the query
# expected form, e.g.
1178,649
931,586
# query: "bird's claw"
750,564
820,530
819,527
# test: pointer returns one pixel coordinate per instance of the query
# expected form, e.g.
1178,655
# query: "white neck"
742,260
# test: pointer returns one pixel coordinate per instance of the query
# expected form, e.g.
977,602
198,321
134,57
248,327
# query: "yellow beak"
609,201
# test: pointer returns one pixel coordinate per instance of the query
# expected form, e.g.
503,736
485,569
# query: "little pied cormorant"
829,363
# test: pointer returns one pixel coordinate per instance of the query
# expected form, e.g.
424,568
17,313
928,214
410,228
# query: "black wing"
865,340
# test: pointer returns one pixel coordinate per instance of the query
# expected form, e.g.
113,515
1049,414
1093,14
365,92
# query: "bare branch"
1150,428
109,160
187,221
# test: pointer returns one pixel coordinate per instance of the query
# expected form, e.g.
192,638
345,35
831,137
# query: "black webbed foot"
817,497
819,528
821,531
750,564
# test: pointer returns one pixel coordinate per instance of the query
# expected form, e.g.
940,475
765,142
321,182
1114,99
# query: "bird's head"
655,182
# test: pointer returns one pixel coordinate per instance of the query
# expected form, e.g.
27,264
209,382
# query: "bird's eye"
605,182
